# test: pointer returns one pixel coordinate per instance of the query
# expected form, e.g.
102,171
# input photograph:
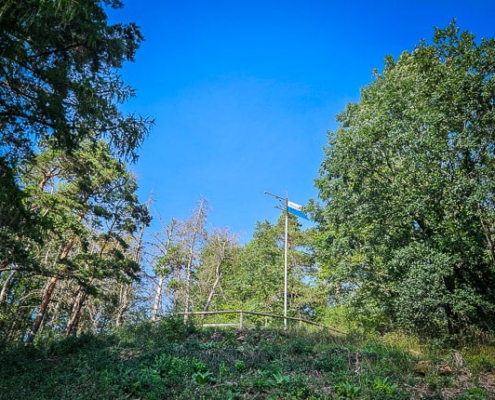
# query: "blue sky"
243,92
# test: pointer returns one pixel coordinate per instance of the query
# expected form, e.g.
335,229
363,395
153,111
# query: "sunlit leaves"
407,185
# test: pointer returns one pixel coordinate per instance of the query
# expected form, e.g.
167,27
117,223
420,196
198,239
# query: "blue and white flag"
295,209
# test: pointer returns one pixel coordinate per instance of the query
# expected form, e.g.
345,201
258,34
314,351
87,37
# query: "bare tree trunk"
196,230
218,275
161,280
158,298
3,293
124,301
125,297
76,310
212,291
97,319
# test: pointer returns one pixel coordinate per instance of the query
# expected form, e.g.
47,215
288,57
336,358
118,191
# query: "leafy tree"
16,222
88,199
59,84
255,282
406,228
59,76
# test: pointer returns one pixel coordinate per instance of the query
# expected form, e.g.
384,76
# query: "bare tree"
217,256
194,235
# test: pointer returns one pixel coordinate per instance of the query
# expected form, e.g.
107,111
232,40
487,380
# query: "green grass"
168,360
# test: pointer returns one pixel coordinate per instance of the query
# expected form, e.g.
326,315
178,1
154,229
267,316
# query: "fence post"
241,321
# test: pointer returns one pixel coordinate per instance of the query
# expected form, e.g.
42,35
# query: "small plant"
223,369
232,395
346,391
384,385
203,378
278,379
240,366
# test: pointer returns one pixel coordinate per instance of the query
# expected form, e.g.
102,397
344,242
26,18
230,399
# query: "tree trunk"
218,275
42,310
48,294
158,297
212,291
124,301
76,310
198,225
3,293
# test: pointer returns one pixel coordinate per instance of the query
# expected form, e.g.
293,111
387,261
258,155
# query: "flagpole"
295,209
286,246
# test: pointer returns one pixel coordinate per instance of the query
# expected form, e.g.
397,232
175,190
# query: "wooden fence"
243,313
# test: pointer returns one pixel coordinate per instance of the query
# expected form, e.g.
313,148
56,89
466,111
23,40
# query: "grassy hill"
168,360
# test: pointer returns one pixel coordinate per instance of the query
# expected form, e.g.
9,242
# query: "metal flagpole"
286,246
297,210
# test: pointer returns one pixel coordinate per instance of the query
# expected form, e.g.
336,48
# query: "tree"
255,281
194,234
166,264
16,222
218,258
59,76
59,84
176,251
406,229
90,202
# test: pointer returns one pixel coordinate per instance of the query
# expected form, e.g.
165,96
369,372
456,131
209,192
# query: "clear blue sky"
243,92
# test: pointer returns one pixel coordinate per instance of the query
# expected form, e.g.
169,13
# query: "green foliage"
252,278
60,64
277,379
88,200
150,361
384,385
240,366
68,206
405,232
203,378
345,390
474,394
16,221
170,329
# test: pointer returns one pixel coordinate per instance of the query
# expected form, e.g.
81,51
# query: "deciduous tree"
407,221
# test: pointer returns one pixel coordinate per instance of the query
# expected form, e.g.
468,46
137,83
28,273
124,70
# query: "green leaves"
407,185
60,62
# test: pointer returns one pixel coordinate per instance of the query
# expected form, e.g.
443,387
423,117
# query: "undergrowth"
170,360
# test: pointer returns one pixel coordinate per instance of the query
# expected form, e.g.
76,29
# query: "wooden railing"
243,313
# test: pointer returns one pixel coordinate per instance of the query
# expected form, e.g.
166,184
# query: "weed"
203,378
232,395
384,385
240,366
277,379
223,370
345,390
330,362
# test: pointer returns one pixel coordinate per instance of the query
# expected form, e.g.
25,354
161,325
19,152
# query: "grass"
171,361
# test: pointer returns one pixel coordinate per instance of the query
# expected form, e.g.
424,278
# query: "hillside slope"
171,361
